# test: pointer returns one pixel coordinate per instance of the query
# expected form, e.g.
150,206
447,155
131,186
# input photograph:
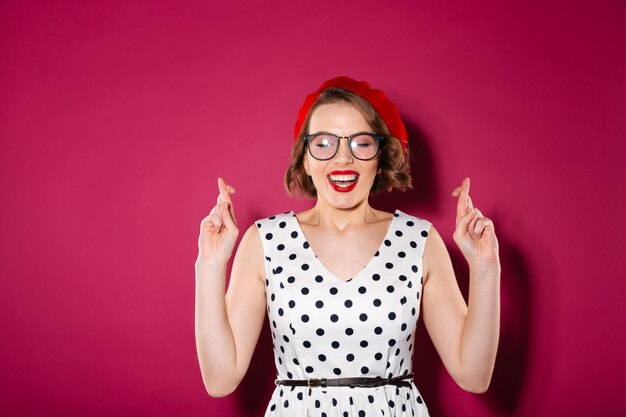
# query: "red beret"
385,108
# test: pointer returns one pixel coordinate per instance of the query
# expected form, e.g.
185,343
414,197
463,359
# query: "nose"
344,155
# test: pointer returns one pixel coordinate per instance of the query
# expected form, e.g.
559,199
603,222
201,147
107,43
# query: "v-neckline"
308,247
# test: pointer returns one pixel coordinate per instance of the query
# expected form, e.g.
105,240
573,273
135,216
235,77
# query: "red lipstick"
343,181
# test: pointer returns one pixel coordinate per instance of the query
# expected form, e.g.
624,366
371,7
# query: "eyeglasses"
324,146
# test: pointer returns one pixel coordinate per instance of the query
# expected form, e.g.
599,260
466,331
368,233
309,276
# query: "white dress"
324,327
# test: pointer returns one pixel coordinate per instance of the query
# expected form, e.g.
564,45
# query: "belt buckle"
311,381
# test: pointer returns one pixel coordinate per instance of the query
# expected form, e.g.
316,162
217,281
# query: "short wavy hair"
392,162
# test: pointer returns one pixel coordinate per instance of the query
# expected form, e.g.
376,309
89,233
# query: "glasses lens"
323,146
364,146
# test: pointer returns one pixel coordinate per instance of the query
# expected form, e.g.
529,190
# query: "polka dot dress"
324,327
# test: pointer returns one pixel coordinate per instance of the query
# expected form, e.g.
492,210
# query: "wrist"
210,264
485,266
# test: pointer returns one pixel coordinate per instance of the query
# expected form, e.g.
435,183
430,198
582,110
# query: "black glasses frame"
379,138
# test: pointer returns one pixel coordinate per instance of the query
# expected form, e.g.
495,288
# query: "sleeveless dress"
324,327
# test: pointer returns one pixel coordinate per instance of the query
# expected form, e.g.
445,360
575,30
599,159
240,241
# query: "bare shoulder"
436,256
249,254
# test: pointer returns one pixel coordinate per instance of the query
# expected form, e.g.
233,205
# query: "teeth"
336,178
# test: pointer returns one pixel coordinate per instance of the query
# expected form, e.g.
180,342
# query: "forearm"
479,342
214,337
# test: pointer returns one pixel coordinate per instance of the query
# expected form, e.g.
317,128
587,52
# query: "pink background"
116,119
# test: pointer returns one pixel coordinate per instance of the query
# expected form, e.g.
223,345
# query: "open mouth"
343,182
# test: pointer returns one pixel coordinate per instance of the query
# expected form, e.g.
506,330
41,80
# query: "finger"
462,202
229,221
470,205
215,221
471,227
463,222
456,192
224,193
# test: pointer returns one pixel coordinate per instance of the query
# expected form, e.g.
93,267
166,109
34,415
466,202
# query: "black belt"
347,382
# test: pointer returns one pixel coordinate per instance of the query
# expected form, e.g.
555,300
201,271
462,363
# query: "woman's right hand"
218,231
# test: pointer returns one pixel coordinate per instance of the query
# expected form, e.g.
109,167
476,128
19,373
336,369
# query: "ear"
305,163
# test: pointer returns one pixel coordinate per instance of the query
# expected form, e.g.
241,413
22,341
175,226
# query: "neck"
341,219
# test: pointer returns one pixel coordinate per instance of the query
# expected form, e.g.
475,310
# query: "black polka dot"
282,225
322,358
278,270
280,247
320,332
413,244
425,233
390,289
292,256
281,312
376,277
398,233
362,290
410,223
365,370
370,398
403,327
319,278
392,316
337,371
305,267
349,357
349,331
402,278
377,302
388,265
363,317
334,318
304,290
401,254
378,356
403,300
387,242
291,280
269,236
318,404
414,268
292,304
392,342
319,304
305,318
306,344
348,303
378,330
306,245
333,290
294,234
309,369
335,345
364,343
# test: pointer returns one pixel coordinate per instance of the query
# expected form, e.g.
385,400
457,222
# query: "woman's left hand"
474,233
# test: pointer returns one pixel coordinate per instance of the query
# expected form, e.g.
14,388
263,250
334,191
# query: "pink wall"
116,119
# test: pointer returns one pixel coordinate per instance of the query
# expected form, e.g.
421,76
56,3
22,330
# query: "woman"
343,282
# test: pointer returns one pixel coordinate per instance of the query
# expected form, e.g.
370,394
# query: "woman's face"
342,181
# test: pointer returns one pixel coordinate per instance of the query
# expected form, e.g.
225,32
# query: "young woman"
342,282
